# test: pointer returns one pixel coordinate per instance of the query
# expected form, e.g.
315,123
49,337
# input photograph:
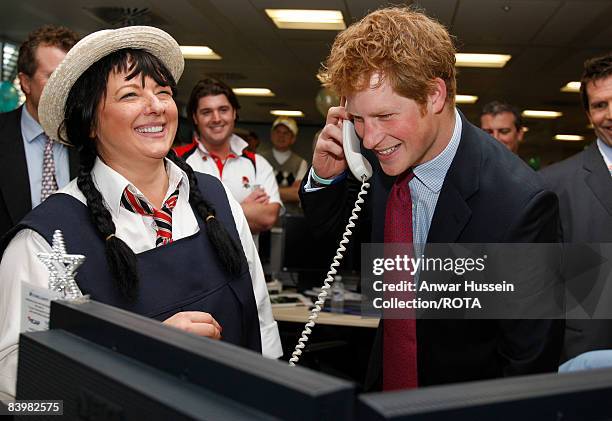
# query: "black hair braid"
226,248
119,256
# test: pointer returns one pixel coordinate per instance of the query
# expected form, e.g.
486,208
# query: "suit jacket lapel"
15,182
597,176
450,217
462,179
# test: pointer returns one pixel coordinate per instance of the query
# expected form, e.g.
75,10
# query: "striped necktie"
161,217
49,182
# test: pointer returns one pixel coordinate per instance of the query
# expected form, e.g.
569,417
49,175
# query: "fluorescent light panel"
253,92
573,86
466,99
481,60
199,52
307,19
541,114
569,137
287,113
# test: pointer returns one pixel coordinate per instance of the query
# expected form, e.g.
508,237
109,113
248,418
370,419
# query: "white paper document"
35,307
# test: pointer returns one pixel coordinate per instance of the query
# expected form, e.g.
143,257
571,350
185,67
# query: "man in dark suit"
584,186
22,141
456,184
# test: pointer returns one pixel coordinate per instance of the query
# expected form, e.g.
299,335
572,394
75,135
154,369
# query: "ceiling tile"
569,21
442,10
486,22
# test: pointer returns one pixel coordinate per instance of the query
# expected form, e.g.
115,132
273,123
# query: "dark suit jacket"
15,196
489,196
584,187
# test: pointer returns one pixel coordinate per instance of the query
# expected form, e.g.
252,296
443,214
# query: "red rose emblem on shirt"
245,182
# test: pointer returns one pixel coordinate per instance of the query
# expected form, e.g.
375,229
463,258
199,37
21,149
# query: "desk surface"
299,314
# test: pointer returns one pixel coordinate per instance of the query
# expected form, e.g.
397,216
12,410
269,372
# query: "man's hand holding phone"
328,160
338,146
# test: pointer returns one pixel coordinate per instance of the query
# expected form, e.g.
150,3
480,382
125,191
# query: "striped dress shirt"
425,187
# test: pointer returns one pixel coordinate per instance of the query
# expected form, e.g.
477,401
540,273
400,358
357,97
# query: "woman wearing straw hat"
159,239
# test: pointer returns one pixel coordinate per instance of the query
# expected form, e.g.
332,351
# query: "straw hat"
91,49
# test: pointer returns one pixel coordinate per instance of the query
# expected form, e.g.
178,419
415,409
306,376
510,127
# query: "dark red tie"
399,335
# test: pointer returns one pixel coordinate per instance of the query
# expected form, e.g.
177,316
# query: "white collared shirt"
19,262
606,153
237,172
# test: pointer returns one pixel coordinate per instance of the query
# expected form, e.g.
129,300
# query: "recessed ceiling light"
571,87
466,99
481,60
253,92
569,137
307,19
287,113
199,52
541,114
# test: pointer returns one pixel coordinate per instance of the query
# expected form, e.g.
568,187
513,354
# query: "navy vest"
184,275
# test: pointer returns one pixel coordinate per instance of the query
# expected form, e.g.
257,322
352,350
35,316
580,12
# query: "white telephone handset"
362,170
359,166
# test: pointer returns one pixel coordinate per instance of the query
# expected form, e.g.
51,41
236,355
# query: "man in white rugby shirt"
215,150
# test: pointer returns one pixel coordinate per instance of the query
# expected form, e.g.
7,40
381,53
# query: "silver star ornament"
62,268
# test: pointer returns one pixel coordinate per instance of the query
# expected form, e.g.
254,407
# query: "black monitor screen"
261,385
303,252
97,383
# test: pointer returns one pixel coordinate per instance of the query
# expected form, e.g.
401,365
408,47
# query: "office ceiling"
548,41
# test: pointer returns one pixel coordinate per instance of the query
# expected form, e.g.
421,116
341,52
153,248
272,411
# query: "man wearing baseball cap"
289,167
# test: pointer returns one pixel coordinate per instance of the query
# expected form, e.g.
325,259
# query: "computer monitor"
301,251
92,344
578,396
310,257
96,383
